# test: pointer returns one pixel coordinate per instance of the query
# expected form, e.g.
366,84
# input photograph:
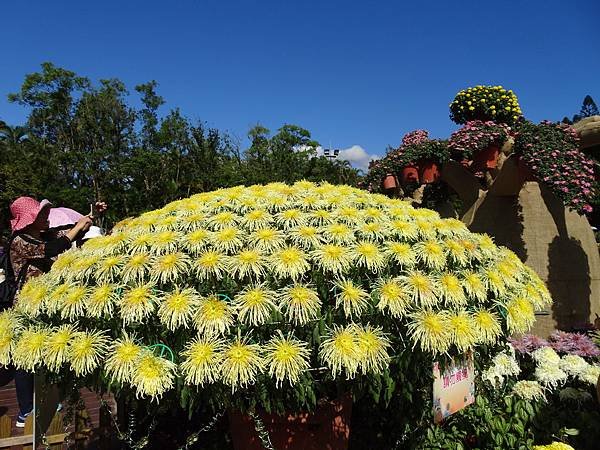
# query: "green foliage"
84,143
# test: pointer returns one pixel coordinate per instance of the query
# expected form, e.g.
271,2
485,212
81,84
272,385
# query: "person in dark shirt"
32,255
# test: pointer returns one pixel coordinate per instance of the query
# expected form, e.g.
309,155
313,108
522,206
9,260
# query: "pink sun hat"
25,210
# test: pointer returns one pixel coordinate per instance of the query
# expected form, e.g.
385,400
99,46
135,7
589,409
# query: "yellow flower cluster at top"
239,280
553,446
485,103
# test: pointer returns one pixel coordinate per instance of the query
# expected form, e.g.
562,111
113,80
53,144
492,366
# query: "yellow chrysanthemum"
123,354
320,217
210,263
404,230
83,267
74,302
401,253
290,218
266,239
373,346
367,254
456,252
164,242
196,241
223,219
191,222
332,258
487,325
520,315
306,236
29,348
372,214
374,231
242,362
290,262
286,358
227,239
451,289
494,282
214,316
255,304
431,254
474,286
338,233
340,351
202,359
169,267
255,219
100,301
169,222
351,297
57,346
31,299
152,375
141,243
430,330
109,268
422,288
463,332
9,323
64,261
85,351
177,307
136,267
247,263
391,295
349,215
300,303
54,299
137,303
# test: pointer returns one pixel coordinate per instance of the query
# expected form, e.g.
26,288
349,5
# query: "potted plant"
485,103
479,142
271,299
428,156
551,152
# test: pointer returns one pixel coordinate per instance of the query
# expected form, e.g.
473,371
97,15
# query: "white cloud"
357,156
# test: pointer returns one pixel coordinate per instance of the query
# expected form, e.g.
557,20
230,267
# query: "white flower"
591,375
545,356
574,365
506,365
528,390
550,375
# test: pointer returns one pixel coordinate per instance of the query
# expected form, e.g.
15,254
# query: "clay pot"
410,174
429,171
390,182
486,159
328,427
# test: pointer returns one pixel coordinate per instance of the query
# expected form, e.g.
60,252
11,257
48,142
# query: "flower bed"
271,297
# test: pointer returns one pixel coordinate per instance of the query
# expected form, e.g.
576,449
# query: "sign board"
454,388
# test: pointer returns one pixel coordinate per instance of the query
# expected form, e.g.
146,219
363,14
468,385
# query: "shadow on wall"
568,271
502,218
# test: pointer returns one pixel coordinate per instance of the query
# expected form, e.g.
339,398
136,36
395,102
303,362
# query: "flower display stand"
486,159
327,428
556,242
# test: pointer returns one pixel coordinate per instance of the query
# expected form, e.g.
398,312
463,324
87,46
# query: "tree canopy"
84,142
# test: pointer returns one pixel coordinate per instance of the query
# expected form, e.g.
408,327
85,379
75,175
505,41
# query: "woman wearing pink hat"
31,255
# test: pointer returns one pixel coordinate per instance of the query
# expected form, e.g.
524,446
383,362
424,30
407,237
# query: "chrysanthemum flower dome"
268,282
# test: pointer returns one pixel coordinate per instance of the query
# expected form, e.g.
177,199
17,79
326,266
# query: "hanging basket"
429,171
328,427
390,182
410,174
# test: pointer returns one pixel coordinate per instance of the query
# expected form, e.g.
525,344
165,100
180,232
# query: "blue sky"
358,75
